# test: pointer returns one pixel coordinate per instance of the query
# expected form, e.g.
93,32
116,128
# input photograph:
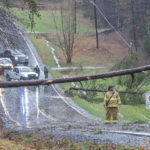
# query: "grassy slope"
134,113
43,50
130,113
45,22
55,144
10,145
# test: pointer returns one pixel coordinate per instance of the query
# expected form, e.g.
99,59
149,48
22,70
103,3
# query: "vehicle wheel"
8,78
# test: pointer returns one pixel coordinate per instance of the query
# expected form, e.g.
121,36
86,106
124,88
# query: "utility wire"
100,11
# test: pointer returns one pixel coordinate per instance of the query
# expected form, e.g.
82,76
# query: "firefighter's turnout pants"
112,112
112,109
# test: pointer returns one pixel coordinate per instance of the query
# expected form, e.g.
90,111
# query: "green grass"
43,23
127,112
46,22
93,108
130,113
43,50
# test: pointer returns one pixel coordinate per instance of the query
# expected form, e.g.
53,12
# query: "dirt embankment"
111,49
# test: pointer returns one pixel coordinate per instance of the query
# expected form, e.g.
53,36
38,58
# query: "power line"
99,10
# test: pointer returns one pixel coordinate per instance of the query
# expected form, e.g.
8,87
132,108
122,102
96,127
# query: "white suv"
21,73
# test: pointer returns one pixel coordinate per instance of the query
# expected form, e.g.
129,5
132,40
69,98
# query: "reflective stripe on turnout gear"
112,99
107,121
115,99
115,121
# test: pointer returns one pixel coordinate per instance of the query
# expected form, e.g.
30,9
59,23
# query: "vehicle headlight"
27,57
36,75
16,58
11,67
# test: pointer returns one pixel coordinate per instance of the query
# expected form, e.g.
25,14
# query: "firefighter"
46,72
37,70
111,103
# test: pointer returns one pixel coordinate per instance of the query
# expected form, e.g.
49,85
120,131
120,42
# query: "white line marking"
27,106
47,116
55,97
52,85
5,109
40,69
31,51
69,104
37,102
38,109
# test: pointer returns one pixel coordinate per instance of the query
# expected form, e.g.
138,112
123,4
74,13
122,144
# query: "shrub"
126,81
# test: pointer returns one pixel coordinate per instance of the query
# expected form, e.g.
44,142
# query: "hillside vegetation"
45,23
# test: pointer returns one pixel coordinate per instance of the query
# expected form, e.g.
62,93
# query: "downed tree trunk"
74,79
103,91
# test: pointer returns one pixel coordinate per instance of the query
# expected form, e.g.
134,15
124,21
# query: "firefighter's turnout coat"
115,99
112,107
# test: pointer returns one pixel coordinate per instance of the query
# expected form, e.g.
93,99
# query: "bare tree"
65,30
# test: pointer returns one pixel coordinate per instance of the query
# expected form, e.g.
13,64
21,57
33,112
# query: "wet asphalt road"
37,107
43,106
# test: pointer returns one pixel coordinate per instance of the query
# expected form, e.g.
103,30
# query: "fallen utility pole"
75,79
103,91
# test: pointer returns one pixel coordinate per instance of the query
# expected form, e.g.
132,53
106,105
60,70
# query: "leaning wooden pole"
75,79
102,91
96,28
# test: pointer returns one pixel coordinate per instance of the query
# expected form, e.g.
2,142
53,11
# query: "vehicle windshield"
5,61
16,52
25,69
